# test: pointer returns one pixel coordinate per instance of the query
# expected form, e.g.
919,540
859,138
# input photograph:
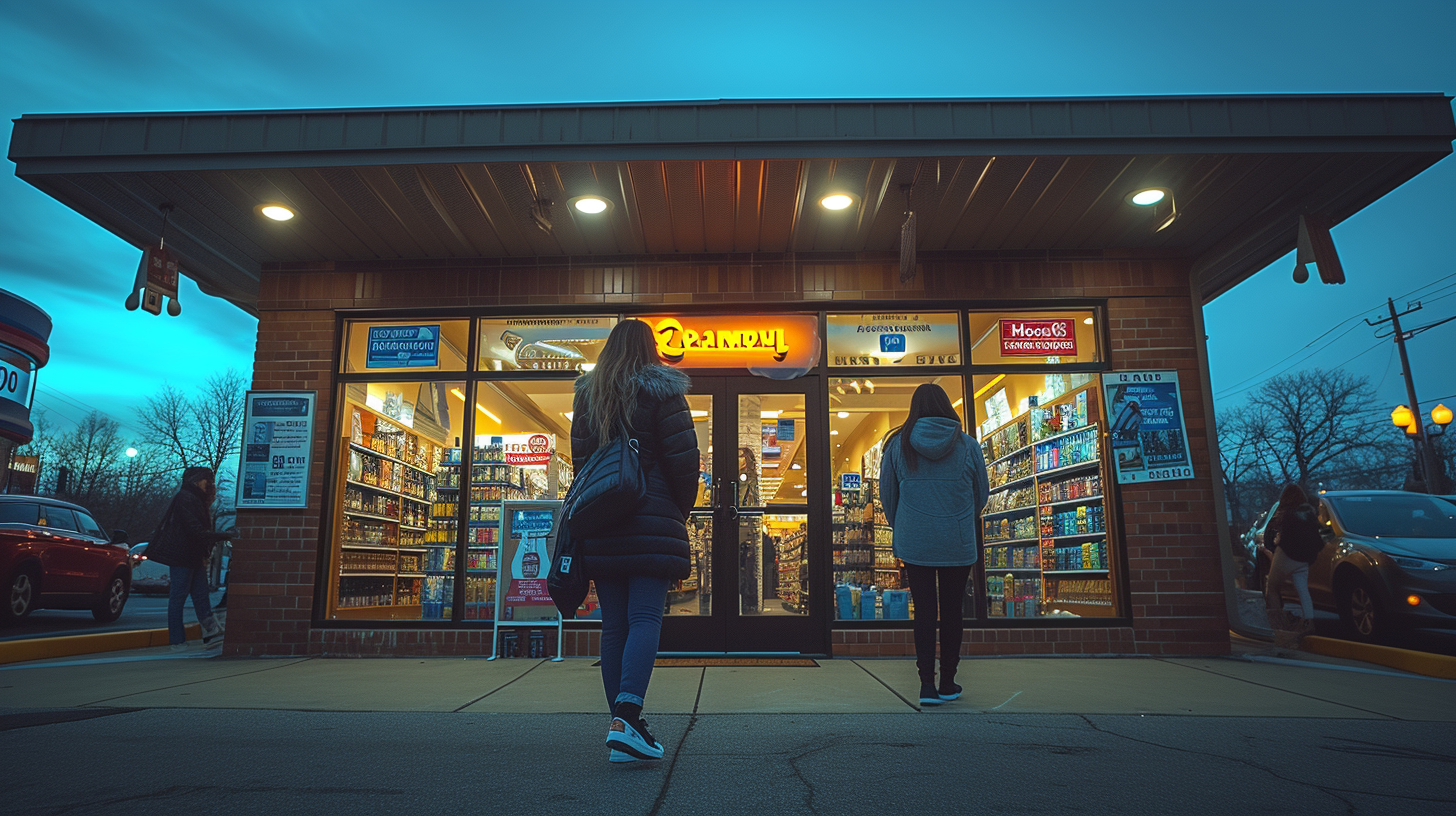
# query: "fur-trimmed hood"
660,381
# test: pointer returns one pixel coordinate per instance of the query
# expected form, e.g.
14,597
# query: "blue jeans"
186,581
631,623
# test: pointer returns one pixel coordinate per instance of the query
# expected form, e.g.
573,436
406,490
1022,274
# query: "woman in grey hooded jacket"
933,485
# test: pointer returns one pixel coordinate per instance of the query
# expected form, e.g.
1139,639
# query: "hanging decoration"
907,240
156,277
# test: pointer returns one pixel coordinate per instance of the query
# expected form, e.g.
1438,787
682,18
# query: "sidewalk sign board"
526,545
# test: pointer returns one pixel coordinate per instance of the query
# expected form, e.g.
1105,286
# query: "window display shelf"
1076,572
1009,542
362,574
1009,455
411,575
998,570
416,499
371,516
485,523
372,452
414,529
1074,535
1021,509
491,570
1088,465
412,549
1083,500
373,547
386,491
1016,481
1061,434
1060,602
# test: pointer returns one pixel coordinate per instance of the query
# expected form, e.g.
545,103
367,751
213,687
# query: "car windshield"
1412,516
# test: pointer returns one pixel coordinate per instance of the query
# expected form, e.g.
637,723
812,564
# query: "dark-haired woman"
933,484
630,392
1294,537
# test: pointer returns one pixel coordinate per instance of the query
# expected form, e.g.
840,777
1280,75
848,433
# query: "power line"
1302,348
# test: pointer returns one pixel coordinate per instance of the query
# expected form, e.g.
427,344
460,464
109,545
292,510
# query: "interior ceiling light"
591,204
843,415
769,414
1087,320
834,433
697,414
277,212
481,408
796,466
570,415
870,386
987,387
1147,198
837,201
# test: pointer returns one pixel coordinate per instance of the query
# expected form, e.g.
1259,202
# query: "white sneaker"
212,632
626,738
178,647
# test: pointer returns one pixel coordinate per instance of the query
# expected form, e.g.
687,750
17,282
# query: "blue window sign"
531,523
786,430
403,347
892,344
848,482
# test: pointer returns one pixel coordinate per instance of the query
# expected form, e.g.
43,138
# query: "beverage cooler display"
868,581
1045,546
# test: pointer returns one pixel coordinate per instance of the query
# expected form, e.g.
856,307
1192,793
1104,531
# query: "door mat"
730,662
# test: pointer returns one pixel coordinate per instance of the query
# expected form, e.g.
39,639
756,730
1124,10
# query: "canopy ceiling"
733,177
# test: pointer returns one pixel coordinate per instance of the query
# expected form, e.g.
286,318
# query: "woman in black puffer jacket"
631,392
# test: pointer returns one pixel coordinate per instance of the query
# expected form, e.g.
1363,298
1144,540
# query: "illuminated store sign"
894,339
760,343
1038,338
543,343
403,347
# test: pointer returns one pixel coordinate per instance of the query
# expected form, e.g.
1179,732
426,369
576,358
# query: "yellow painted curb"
1431,665
20,651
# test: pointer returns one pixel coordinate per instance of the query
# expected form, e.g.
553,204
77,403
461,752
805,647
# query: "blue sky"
65,56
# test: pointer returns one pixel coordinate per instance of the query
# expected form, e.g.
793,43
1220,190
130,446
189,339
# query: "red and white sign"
1038,338
532,450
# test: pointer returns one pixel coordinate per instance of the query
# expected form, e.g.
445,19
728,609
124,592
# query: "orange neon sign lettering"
732,341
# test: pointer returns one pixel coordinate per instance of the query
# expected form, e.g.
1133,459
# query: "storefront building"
446,274
25,331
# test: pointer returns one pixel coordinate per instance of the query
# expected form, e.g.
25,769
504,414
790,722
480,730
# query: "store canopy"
1045,176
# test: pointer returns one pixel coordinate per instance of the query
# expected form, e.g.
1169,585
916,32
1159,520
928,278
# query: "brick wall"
1172,548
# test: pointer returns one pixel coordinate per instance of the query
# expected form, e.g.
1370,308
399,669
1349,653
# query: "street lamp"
1429,462
131,453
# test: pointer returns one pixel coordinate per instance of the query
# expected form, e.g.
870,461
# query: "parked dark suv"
54,555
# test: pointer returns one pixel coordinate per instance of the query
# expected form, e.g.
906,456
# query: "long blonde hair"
611,393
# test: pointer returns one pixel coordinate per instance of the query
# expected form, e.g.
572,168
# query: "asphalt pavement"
1266,731
141,612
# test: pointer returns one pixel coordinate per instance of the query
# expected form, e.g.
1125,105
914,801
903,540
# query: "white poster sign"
277,449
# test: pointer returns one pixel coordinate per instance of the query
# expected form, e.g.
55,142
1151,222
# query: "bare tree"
1313,420
1245,462
204,430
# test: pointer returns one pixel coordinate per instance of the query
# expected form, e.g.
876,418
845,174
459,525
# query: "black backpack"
1299,534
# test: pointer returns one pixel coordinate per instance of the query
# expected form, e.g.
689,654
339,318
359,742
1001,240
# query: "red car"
54,555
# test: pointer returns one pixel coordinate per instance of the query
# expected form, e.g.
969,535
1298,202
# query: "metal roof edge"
725,102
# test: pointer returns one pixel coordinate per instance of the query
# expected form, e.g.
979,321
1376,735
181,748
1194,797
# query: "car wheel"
1361,611
108,607
21,593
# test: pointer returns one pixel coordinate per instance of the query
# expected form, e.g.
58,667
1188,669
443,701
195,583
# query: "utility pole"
1432,474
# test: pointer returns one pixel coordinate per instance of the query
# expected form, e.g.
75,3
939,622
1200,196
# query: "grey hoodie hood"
935,437
659,381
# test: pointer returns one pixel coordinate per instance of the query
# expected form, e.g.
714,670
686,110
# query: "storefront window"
1045,549
542,343
868,579
924,339
1033,338
405,346
393,518
693,595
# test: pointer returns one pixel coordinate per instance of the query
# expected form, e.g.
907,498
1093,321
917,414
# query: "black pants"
946,603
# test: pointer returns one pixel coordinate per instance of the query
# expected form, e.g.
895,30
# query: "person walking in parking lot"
631,392
1294,536
933,484
182,543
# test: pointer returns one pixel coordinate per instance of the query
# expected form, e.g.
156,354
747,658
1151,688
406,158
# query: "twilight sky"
65,56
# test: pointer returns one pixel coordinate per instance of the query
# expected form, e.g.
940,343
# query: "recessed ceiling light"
837,201
591,204
1148,197
796,466
834,433
277,212
1088,321
843,415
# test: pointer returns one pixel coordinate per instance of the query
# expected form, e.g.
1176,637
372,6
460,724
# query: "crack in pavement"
1360,747
195,682
1331,791
1284,690
672,765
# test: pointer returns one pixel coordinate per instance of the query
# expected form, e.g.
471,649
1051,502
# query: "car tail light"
1413,600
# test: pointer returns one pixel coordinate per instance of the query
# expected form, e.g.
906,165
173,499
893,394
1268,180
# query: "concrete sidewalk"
1253,685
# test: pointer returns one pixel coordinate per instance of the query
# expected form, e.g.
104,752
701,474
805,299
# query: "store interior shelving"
1045,528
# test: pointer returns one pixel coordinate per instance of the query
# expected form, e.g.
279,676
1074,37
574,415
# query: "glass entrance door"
755,533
